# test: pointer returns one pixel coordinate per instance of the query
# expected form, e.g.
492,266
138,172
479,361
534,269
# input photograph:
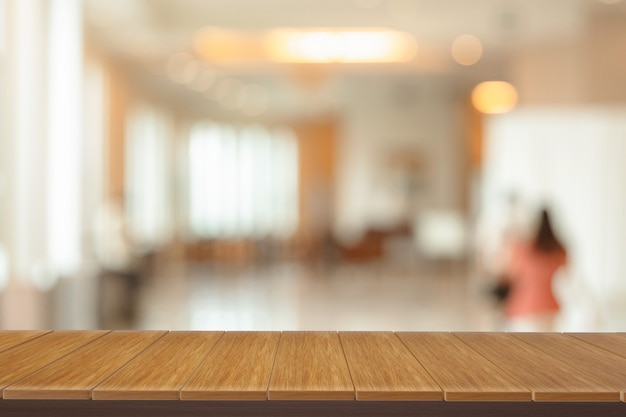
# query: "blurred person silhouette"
531,304
495,237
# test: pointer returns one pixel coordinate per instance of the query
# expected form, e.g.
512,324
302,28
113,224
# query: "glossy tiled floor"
292,297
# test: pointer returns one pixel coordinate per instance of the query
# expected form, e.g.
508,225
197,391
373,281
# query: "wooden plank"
613,342
160,371
310,366
547,378
28,357
238,368
76,374
11,338
462,373
383,369
594,361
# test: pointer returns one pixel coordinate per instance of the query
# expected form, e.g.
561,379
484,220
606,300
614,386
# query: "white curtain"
148,177
242,182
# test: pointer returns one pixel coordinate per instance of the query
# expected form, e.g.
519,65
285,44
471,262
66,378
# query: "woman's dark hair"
545,239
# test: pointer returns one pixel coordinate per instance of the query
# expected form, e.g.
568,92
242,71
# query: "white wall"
382,117
574,160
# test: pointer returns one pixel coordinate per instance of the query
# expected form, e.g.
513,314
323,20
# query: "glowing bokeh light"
494,97
326,46
467,49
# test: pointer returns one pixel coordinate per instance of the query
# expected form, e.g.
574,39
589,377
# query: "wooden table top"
331,366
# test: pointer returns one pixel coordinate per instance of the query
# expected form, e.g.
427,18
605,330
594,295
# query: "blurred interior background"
295,164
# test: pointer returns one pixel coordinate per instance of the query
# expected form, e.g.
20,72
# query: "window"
64,136
148,197
242,183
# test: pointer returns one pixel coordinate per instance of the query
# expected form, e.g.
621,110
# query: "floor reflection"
294,297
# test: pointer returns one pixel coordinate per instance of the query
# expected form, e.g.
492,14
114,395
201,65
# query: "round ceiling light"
494,97
467,50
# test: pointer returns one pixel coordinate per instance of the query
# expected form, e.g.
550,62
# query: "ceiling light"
467,49
494,97
340,46
222,45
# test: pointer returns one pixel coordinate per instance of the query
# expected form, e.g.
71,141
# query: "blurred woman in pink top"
531,305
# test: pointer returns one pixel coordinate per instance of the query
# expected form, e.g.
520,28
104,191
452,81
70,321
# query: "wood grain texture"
160,371
310,366
594,361
613,342
238,368
76,374
547,378
462,373
28,357
303,366
383,369
11,338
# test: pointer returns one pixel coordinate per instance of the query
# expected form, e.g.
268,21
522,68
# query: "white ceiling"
431,21
145,33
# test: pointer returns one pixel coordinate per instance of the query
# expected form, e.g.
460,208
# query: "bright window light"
147,178
243,184
64,133
286,178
